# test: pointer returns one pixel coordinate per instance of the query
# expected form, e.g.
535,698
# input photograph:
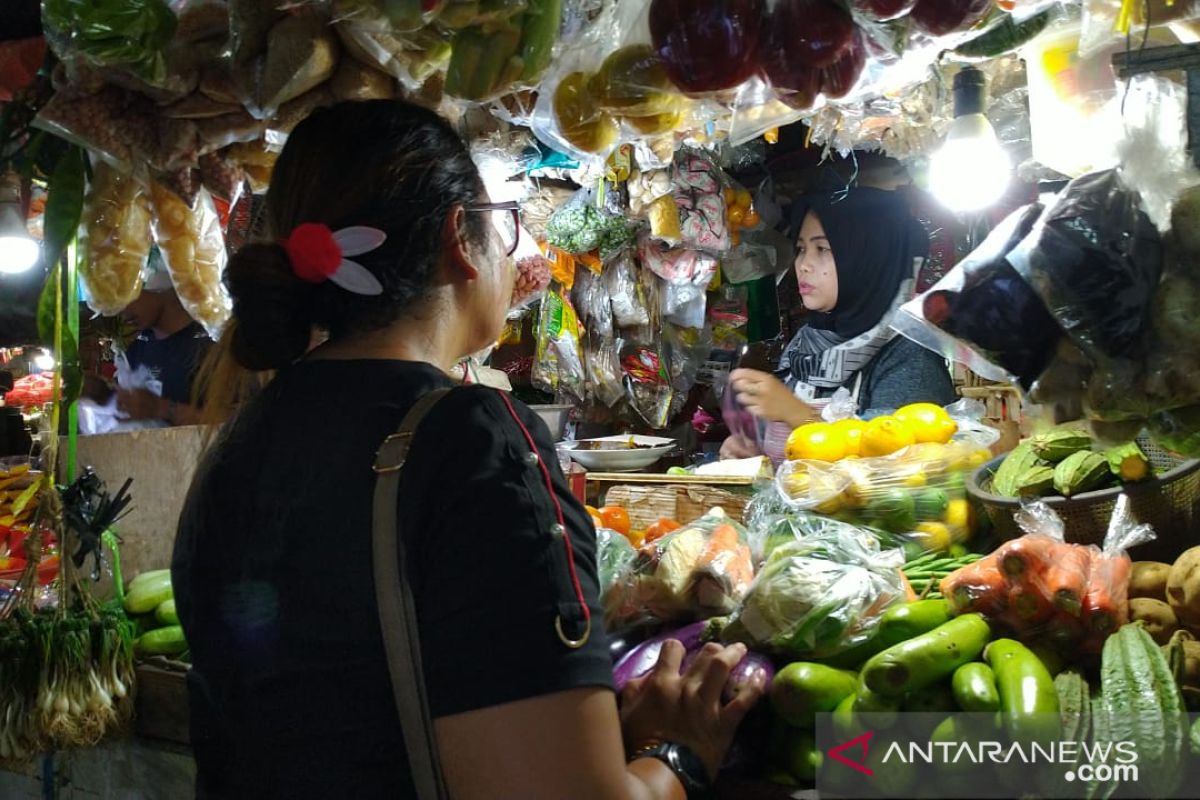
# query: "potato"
1159,618
1183,588
1149,579
1191,664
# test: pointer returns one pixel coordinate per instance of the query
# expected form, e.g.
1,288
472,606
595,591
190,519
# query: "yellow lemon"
915,479
797,484
979,458
933,535
885,435
852,429
958,514
816,441
930,422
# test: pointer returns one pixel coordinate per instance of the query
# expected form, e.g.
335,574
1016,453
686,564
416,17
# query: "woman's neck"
401,341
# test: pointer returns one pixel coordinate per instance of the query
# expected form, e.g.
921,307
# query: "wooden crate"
161,703
682,502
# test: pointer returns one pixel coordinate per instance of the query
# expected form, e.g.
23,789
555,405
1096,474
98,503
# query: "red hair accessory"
318,254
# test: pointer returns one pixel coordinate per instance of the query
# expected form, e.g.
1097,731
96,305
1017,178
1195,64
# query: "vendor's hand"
686,709
765,396
141,404
738,446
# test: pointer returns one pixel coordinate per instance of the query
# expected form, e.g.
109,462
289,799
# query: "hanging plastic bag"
681,266
647,384
1094,258
684,305
699,197
1040,587
533,271
499,47
687,350
130,34
627,293
115,236
984,314
193,249
600,345
558,364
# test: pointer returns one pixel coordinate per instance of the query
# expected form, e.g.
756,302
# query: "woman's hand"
738,446
765,396
665,706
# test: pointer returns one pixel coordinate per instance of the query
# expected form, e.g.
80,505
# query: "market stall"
910,571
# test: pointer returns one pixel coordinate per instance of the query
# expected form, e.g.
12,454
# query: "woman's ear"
456,245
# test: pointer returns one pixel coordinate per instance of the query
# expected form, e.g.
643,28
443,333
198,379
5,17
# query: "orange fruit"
885,435
615,518
816,441
730,196
852,429
744,199
752,219
660,528
930,422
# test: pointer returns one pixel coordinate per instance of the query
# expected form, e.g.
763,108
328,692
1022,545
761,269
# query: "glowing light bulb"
44,361
971,171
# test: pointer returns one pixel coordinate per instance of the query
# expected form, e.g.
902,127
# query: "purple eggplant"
642,659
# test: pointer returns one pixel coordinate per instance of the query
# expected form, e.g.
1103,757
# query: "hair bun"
272,308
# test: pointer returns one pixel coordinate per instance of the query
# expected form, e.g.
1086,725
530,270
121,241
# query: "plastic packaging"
580,227
532,271
558,363
112,123
821,590
700,199
627,293
687,349
500,46
132,34
918,492
1040,587
193,249
115,235
1094,258
614,556
647,383
699,571
599,342
984,314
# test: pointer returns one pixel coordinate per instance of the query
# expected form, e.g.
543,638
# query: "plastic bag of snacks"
558,364
533,271
193,248
116,239
1040,587
698,571
819,592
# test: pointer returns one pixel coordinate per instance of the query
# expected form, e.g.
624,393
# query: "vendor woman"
856,258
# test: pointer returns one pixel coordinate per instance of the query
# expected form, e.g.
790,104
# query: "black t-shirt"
290,694
174,360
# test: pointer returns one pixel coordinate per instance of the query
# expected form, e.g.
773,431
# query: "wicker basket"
683,504
1169,502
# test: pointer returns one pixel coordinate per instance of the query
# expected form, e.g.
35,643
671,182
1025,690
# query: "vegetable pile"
150,603
1067,461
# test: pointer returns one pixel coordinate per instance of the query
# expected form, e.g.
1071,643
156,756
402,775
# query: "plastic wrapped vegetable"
509,46
614,556
1095,258
1041,587
130,34
116,239
698,571
984,314
818,594
193,248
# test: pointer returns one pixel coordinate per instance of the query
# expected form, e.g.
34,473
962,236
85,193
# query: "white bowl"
620,460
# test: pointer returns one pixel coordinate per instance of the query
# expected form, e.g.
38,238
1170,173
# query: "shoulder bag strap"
397,608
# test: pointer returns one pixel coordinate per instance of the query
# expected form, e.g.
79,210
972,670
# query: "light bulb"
18,251
971,171
44,361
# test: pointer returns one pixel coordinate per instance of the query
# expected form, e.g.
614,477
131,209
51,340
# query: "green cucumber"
974,686
150,575
803,689
148,594
1028,699
936,699
167,641
882,711
927,659
166,614
909,620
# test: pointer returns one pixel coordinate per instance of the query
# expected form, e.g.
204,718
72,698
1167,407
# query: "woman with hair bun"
381,236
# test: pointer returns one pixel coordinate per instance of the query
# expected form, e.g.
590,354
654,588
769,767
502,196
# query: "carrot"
1026,558
976,587
910,595
1105,601
1029,605
726,554
1066,577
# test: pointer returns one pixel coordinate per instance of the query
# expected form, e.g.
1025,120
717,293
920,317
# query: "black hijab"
874,240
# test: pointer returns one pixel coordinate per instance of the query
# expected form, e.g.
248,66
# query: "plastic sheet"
821,590
116,239
1040,587
984,314
1094,258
